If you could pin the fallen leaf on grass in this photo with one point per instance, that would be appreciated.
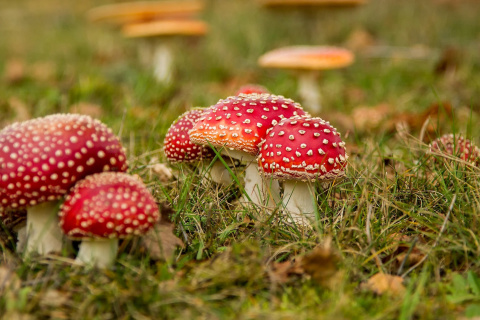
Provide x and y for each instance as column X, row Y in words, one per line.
column 14, row 71
column 162, row 172
column 382, row 283
column 321, row 264
column 53, row 298
column 160, row 241
column 8, row 279
column 366, row 119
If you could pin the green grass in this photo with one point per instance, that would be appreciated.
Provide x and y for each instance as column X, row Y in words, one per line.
column 225, row 270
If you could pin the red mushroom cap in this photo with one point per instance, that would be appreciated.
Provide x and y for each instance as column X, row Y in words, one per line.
column 252, row 88
column 177, row 145
column 458, row 146
column 240, row 122
column 302, row 148
column 108, row 205
column 41, row 159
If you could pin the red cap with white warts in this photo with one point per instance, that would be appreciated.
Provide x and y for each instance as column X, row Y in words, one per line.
column 240, row 122
column 458, row 146
column 108, row 205
column 252, row 88
column 304, row 149
column 41, row 159
column 177, row 145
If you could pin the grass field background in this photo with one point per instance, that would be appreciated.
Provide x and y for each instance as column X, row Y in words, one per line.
column 398, row 211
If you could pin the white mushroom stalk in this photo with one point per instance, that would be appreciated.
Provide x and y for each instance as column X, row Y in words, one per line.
column 308, row 90
column 299, row 201
column 100, row 253
column 43, row 235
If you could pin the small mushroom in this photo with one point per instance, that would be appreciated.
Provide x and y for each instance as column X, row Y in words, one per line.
column 159, row 35
column 308, row 61
column 103, row 208
column 41, row 159
column 179, row 148
column 300, row 151
column 456, row 146
column 237, row 124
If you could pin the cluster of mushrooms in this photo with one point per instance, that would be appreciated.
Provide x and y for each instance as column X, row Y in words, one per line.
column 65, row 174
column 78, row 159
column 276, row 140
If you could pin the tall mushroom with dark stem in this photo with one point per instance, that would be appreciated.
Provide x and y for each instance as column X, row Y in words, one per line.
column 237, row 124
column 179, row 148
column 41, row 159
column 103, row 208
column 300, row 151
column 307, row 61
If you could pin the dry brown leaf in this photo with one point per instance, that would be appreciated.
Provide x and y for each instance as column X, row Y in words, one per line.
column 382, row 283
column 281, row 272
column 8, row 279
column 53, row 298
column 359, row 39
column 321, row 264
column 160, row 242
column 366, row 119
column 162, row 172
column 90, row 109
column 14, row 71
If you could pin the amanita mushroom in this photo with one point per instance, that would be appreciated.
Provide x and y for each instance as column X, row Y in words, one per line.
column 308, row 61
column 159, row 34
column 141, row 11
column 237, row 124
column 179, row 148
column 456, row 146
column 41, row 159
column 300, row 151
column 103, row 208
column 310, row 3
column 252, row 88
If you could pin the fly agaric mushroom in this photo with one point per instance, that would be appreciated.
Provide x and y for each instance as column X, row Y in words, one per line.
column 301, row 150
column 103, row 208
column 179, row 148
column 310, row 3
column 41, row 159
column 456, row 146
column 308, row 61
column 238, row 124
column 159, row 34
column 252, row 88
column 142, row 11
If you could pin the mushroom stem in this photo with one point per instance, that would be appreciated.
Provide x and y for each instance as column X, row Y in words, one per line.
column 308, row 91
column 99, row 253
column 43, row 233
column 219, row 174
column 299, row 201
column 261, row 192
column 162, row 61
